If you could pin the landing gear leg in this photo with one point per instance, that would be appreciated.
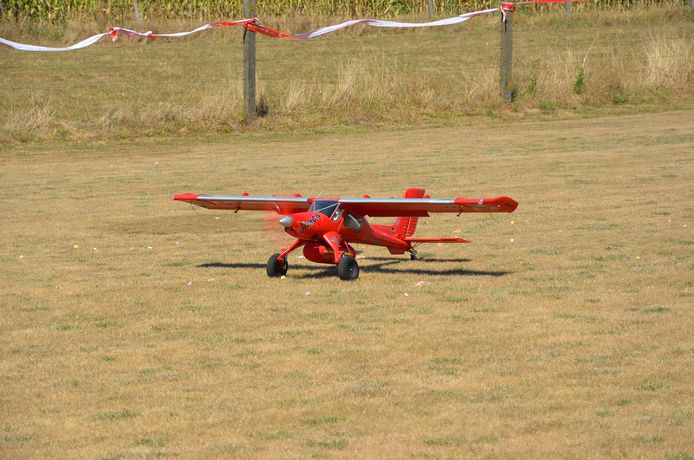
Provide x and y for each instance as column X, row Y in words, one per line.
column 277, row 263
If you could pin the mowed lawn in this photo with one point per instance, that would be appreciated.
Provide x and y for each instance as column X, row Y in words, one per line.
column 134, row 326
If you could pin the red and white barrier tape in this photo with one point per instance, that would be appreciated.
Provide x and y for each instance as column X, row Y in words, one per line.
column 118, row 30
column 254, row 26
column 378, row 23
column 115, row 31
column 83, row 44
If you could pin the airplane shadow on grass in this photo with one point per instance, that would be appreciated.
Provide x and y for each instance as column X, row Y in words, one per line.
column 381, row 265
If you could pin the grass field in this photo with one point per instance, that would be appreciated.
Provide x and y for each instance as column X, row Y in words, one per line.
column 133, row 326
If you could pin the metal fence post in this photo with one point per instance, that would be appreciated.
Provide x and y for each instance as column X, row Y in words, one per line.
column 567, row 8
column 506, row 54
column 430, row 6
column 249, row 62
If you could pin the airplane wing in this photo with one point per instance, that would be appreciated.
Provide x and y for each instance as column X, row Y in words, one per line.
column 421, row 207
column 278, row 204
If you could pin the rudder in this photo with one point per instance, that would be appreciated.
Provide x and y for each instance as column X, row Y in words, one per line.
column 406, row 226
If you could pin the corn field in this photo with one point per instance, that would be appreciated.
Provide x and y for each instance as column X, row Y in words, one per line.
column 61, row 10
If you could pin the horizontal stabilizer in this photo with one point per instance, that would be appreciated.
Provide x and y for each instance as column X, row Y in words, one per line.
column 436, row 240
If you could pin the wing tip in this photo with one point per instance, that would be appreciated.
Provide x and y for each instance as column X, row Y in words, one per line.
column 498, row 204
column 184, row 197
column 508, row 203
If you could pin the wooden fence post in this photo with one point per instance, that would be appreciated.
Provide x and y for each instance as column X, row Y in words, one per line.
column 136, row 11
column 249, row 62
column 506, row 55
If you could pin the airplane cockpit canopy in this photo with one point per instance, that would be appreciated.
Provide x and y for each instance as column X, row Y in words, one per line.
column 325, row 207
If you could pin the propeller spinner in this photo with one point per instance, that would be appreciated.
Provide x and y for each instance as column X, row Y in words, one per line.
column 287, row 221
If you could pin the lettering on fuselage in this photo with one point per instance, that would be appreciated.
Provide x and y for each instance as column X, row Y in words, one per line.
column 305, row 225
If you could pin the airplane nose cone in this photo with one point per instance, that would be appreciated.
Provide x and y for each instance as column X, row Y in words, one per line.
column 286, row 221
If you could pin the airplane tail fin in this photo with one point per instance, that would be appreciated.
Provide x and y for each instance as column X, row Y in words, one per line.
column 406, row 226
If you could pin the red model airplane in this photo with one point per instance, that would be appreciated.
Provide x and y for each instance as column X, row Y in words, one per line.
column 325, row 227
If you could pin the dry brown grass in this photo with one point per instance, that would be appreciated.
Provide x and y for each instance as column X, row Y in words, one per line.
column 669, row 62
column 362, row 76
column 36, row 114
column 133, row 326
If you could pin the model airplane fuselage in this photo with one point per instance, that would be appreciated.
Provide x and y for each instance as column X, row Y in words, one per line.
column 326, row 228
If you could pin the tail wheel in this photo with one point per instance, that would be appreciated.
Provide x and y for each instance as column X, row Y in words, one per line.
column 348, row 268
column 276, row 267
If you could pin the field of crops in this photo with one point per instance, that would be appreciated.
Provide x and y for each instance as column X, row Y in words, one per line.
column 60, row 10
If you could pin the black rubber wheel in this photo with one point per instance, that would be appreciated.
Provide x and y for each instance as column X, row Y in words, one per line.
column 348, row 269
column 413, row 256
column 276, row 268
